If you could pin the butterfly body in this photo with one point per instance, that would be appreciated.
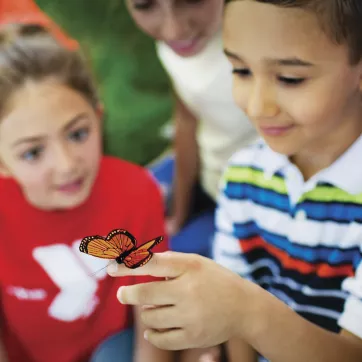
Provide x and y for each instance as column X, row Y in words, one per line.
column 119, row 245
column 120, row 259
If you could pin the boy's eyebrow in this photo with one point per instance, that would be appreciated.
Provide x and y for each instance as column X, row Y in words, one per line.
column 289, row 62
column 230, row 54
column 69, row 125
column 292, row 62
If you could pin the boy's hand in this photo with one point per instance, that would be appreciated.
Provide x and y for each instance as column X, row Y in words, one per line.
column 198, row 306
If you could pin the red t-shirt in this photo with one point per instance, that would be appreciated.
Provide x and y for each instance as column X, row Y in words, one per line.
column 53, row 308
column 26, row 11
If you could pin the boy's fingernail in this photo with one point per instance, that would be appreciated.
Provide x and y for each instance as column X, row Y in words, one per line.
column 119, row 294
column 145, row 335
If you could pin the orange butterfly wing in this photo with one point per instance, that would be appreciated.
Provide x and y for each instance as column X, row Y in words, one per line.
column 142, row 254
column 116, row 243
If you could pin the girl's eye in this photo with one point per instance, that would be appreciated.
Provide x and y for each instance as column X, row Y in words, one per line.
column 291, row 81
column 33, row 154
column 79, row 135
column 242, row 72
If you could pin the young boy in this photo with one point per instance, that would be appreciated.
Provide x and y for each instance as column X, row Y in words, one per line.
column 290, row 213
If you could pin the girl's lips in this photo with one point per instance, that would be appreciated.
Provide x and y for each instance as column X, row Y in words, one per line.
column 275, row 130
column 71, row 187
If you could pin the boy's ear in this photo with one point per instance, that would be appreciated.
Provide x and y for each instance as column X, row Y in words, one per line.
column 360, row 76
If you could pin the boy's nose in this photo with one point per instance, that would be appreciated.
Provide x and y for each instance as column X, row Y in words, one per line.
column 262, row 102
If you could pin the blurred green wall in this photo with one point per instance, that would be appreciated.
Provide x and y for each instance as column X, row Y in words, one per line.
column 134, row 88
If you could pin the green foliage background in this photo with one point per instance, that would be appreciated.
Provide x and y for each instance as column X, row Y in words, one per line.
column 134, row 88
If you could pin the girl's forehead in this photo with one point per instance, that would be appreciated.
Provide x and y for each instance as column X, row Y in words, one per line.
column 40, row 109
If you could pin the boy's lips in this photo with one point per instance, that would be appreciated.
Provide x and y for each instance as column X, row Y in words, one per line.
column 276, row 130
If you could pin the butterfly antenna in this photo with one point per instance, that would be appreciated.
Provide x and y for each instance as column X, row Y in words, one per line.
column 103, row 268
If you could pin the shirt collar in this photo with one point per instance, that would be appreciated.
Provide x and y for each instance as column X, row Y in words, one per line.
column 272, row 161
column 345, row 173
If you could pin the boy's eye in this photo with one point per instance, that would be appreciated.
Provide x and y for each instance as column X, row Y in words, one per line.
column 242, row 72
column 194, row 1
column 142, row 4
column 79, row 135
column 32, row 154
column 291, row 81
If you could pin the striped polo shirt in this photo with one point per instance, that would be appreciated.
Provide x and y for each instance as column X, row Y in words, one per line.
column 299, row 240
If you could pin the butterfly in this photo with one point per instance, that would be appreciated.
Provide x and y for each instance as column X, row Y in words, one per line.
column 119, row 245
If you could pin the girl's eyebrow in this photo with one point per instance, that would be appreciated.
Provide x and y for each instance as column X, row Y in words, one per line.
column 27, row 140
column 74, row 120
column 69, row 125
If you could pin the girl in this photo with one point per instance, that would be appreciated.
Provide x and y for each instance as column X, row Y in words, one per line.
column 55, row 189
column 209, row 126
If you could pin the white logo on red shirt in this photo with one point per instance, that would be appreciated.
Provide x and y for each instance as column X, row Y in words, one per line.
column 27, row 294
column 71, row 272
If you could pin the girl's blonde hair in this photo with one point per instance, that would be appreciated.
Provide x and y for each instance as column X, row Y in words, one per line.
column 28, row 52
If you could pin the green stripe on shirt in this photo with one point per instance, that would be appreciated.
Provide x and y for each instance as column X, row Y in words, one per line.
column 256, row 178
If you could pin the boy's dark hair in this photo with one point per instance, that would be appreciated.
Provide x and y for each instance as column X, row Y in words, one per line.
column 341, row 20
column 29, row 53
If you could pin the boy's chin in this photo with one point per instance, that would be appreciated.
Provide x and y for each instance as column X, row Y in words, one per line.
column 282, row 148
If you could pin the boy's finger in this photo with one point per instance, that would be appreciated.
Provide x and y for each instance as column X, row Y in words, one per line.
column 162, row 318
column 158, row 293
column 208, row 358
column 171, row 340
column 164, row 265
